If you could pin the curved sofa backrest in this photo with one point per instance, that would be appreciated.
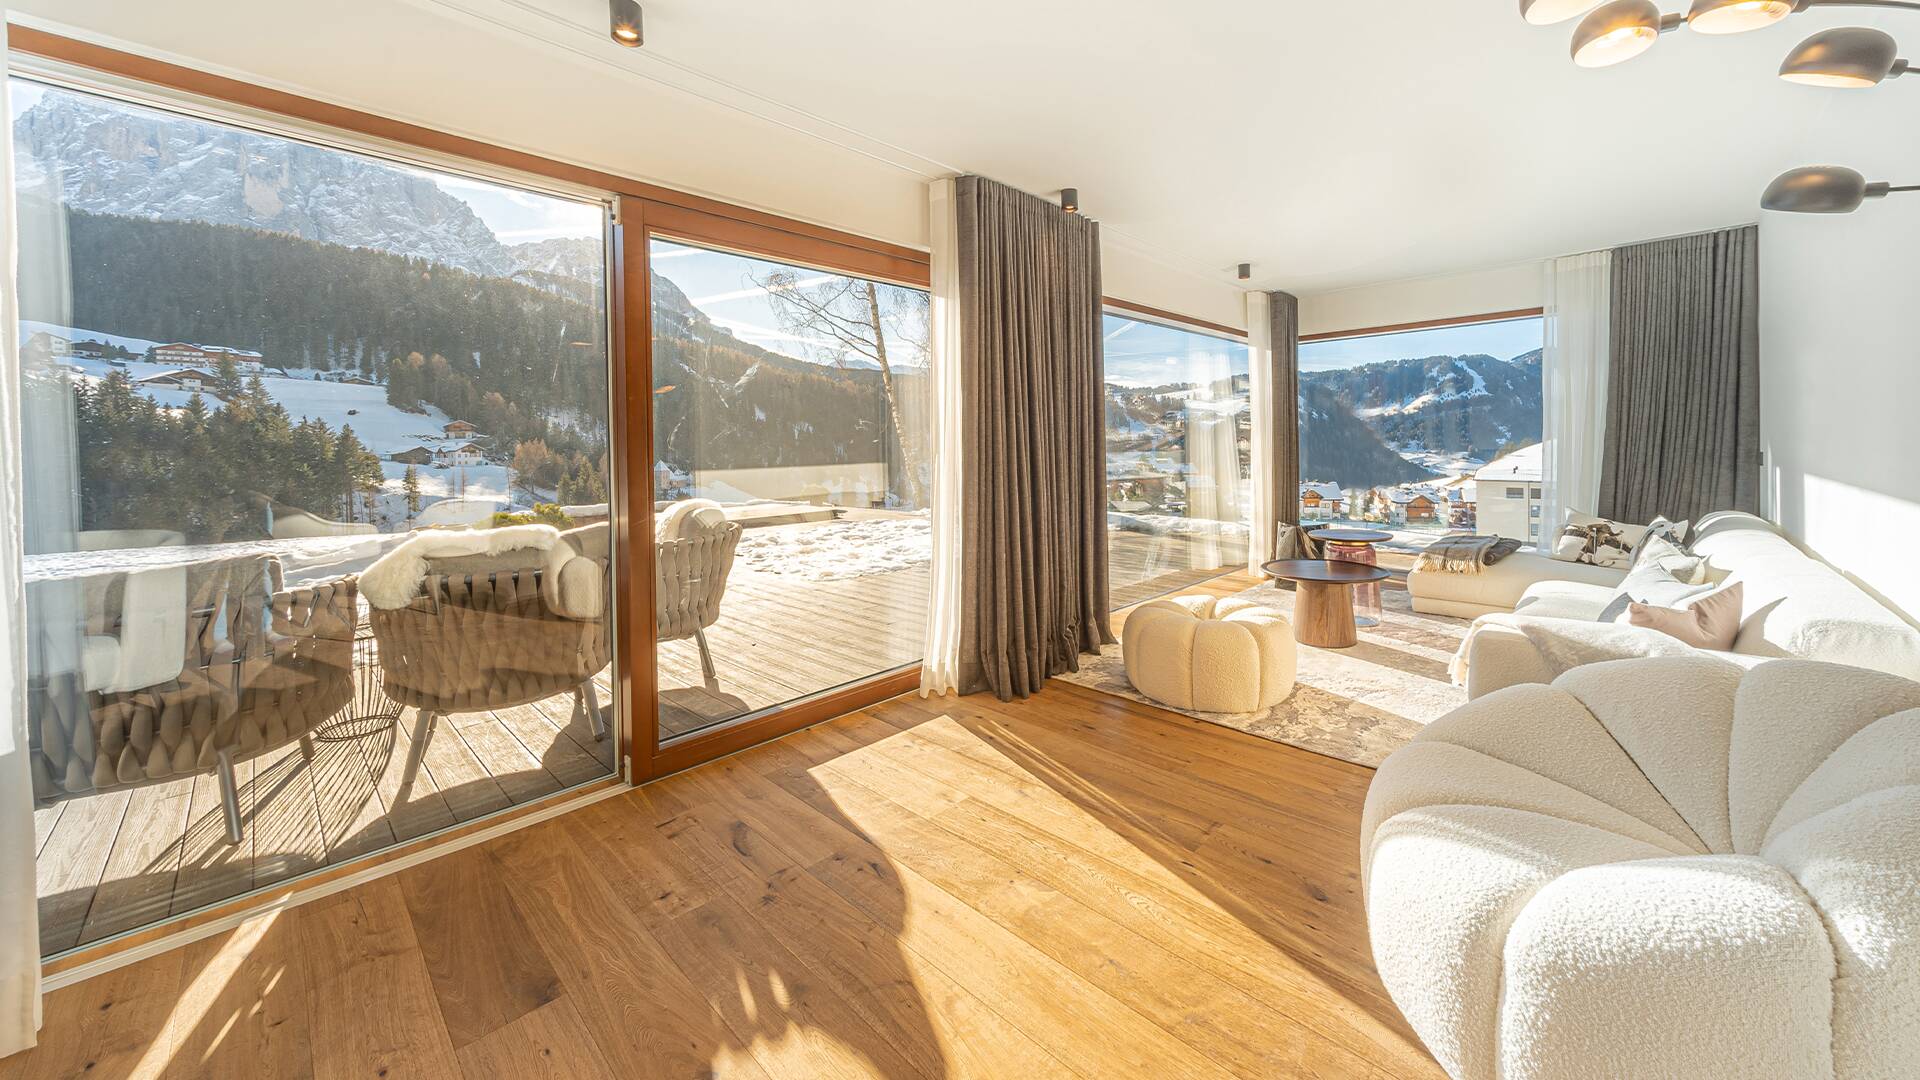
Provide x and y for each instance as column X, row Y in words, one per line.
column 1796, row 605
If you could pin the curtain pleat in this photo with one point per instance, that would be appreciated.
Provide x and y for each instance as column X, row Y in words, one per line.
column 1283, row 334
column 940, row 668
column 1683, row 389
column 19, row 911
column 1573, row 385
column 1034, row 547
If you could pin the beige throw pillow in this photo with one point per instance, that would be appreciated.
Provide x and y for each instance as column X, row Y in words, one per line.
column 1710, row 622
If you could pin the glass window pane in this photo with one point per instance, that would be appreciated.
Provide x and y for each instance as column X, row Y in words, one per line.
column 790, row 447
column 1424, row 432
column 253, row 367
column 1179, row 457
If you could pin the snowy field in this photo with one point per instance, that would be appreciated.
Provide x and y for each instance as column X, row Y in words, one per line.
column 836, row 550
column 381, row 427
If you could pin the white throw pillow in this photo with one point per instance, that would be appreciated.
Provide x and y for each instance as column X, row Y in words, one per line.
column 1632, row 534
column 1657, row 550
column 1652, row 584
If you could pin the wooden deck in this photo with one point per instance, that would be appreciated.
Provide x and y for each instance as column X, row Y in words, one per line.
column 1070, row 886
column 120, row 860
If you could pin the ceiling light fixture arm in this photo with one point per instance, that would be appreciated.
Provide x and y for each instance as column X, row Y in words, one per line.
column 1910, row 5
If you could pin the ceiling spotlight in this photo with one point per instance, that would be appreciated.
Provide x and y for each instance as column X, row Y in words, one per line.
column 1548, row 12
column 1738, row 16
column 1070, row 200
column 625, row 23
column 1852, row 57
column 1823, row 189
column 1244, row 271
column 1619, row 31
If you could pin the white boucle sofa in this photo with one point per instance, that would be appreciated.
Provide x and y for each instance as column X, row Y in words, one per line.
column 1668, row 867
column 1793, row 605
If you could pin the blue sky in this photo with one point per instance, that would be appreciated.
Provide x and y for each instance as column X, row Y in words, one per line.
column 1141, row 353
column 721, row 285
column 1501, row 340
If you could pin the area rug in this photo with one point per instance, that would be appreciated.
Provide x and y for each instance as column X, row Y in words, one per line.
column 1358, row 704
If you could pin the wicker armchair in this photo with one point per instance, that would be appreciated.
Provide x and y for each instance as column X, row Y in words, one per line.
column 694, row 544
column 489, row 632
column 261, row 666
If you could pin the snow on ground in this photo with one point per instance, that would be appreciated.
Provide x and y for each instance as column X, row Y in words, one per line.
column 137, row 346
column 836, row 550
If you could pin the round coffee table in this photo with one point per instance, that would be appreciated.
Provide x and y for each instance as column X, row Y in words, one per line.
column 1356, row 545
column 1323, row 608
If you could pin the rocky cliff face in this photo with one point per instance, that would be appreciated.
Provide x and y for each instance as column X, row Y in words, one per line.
column 125, row 160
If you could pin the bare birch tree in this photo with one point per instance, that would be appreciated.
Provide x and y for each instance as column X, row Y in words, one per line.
column 841, row 318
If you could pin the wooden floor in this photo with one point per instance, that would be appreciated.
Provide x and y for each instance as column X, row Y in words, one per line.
column 1070, row 886
column 116, row 861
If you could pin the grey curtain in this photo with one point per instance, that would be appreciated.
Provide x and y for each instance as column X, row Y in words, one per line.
column 1683, row 392
column 1034, row 566
column 1283, row 330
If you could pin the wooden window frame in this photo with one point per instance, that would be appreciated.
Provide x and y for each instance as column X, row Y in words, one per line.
column 639, row 207
column 642, row 221
column 1426, row 324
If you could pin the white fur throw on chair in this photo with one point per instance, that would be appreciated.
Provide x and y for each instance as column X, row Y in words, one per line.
column 394, row 579
column 1196, row 652
column 1657, row 867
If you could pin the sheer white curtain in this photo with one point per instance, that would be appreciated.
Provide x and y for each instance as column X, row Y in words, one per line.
column 940, row 670
column 19, row 914
column 1266, row 505
column 1573, row 384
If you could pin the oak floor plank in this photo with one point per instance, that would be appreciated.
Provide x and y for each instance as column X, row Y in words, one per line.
column 112, row 1025
column 486, row 968
column 549, row 1043
column 1185, row 1000
column 644, row 1013
column 242, row 1010
column 370, row 999
column 839, row 944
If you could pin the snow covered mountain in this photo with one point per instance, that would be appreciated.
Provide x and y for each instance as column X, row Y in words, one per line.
column 110, row 158
column 1451, row 405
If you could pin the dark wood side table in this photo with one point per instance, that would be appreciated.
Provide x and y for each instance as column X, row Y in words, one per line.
column 1323, row 606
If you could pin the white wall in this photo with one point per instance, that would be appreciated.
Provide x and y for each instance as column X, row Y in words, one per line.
column 579, row 100
column 1472, row 292
column 1839, row 384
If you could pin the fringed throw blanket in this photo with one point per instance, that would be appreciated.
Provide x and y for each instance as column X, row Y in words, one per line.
column 1465, row 554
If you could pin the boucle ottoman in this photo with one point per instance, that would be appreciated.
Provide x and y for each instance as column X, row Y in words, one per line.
column 1209, row 655
column 1657, row 867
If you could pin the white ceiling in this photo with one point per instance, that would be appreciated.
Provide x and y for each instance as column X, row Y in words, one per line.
column 1330, row 144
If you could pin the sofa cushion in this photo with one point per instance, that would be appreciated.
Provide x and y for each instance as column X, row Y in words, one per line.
column 1499, row 587
column 1563, row 600
column 1796, row 605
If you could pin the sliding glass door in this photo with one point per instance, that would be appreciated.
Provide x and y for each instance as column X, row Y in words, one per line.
column 790, row 482
column 1179, row 457
column 254, row 368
